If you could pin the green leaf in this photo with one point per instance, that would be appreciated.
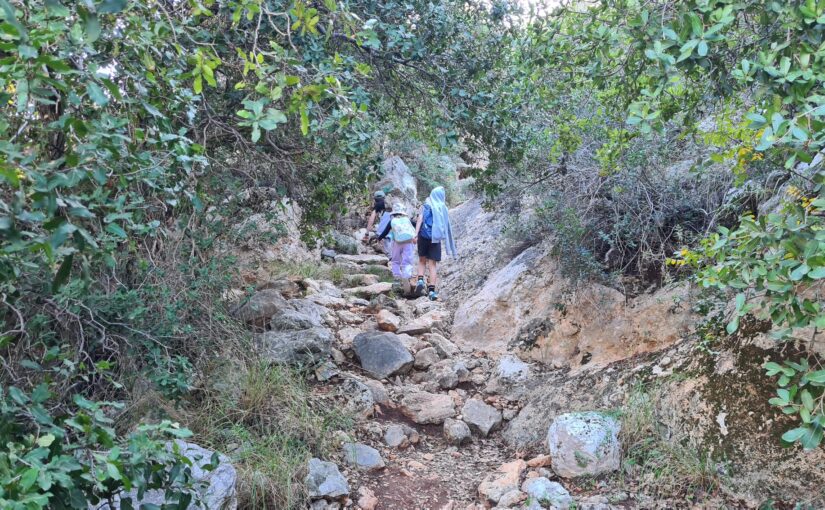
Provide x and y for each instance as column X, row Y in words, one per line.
column 817, row 273
column 91, row 25
column 816, row 377
column 702, row 49
column 807, row 400
column 732, row 326
column 96, row 93
column 111, row 6
column 800, row 271
column 794, row 435
column 62, row 273
column 197, row 85
column 812, row 437
column 28, row 478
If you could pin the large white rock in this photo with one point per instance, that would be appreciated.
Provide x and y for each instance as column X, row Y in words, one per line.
column 218, row 490
column 584, row 444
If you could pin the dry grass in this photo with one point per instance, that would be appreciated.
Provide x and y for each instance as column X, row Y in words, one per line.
column 657, row 461
column 270, row 424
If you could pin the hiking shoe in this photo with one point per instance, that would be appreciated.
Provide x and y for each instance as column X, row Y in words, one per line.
column 433, row 295
column 419, row 287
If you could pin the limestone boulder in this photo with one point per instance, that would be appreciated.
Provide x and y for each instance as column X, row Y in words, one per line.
column 362, row 457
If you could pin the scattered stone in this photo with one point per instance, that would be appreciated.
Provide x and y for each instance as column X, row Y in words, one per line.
column 423, row 407
column 324, row 480
column 298, row 314
column 584, row 444
column 444, row 347
column 423, row 324
column 456, row 432
column 260, row 307
column 347, row 335
column 321, row 504
column 511, row 499
column 326, row 371
column 360, row 280
column 370, row 291
column 382, row 354
column 348, row 317
column 388, row 321
column 359, row 397
column 366, row 259
column 540, row 461
column 379, row 392
column 395, row 437
column 425, row 358
column 512, row 370
column 303, row 347
column 367, row 499
column 362, row 456
column 343, row 243
column 547, row 492
column 505, row 479
column 448, row 373
column 481, row 417
column 327, row 254
column 287, row 287
column 325, row 300
column 509, row 414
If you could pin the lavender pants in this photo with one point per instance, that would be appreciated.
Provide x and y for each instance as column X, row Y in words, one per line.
column 402, row 260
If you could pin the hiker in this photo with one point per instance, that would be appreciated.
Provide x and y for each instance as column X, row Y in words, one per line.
column 379, row 208
column 431, row 231
column 402, row 233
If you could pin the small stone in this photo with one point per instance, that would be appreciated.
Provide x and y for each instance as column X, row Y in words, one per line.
column 348, row 317
column 509, row 414
column 481, row 417
column 456, row 431
column 423, row 407
column 324, row 480
column 395, row 436
column 505, row 479
column 328, row 254
column 425, row 358
column 540, row 461
column 367, row 499
column 369, row 291
column 362, row 456
column 511, row 499
column 326, row 371
column 547, row 492
column 444, row 347
column 388, row 321
column 414, row 464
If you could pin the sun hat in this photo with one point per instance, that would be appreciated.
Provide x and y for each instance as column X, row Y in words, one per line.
column 399, row 209
column 379, row 194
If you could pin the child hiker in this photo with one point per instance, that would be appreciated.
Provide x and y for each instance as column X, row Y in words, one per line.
column 379, row 209
column 402, row 232
column 432, row 230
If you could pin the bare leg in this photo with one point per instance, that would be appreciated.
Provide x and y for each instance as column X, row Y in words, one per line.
column 433, row 275
column 422, row 261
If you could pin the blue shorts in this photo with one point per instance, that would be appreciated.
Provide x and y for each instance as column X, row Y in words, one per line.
column 428, row 249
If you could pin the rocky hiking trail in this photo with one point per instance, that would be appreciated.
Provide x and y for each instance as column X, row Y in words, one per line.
column 428, row 411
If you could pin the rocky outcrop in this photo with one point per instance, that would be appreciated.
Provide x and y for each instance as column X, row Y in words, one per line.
column 547, row 493
column 528, row 305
